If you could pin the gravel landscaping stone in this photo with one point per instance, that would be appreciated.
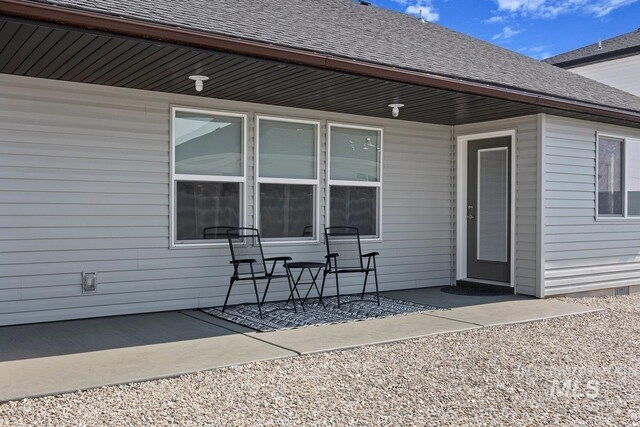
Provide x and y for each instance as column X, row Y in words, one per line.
column 579, row 370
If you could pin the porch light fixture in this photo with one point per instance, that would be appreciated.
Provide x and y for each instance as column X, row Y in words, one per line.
column 199, row 81
column 395, row 109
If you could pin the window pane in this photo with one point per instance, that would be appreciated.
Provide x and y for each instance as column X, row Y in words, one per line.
column 287, row 150
column 208, row 144
column 355, row 154
column 633, row 176
column 493, row 201
column 204, row 209
column 286, row 210
column 610, row 176
column 355, row 207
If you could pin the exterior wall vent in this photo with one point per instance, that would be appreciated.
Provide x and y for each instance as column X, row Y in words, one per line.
column 621, row 291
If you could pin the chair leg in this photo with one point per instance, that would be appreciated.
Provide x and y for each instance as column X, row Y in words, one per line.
column 224, row 307
column 255, row 289
column 338, row 289
column 291, row 288
column 375, row 275
column 324, row 278
column 364, row 287
column 265, row 291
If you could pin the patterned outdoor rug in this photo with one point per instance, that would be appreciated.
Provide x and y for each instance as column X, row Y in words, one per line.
column 277, row 316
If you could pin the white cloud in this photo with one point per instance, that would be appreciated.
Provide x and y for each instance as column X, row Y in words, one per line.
column 536, row 52
column 494, row 20
column 603, row 8
column 552, row 8
column 506, row 33
column 421, row 8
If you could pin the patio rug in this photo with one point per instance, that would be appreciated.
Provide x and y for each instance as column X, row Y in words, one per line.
column 277, row 316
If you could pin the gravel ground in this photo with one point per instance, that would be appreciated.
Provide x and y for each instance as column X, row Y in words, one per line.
column 581, row 370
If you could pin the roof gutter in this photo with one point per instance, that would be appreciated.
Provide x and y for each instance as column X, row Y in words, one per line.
column 199, row 39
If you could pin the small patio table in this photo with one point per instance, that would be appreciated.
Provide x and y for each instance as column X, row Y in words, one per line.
column 302, row 266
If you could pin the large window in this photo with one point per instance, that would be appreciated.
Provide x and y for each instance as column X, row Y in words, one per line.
column 287, row 178
column 208, row 175
column 355, row 178
column 618, row 177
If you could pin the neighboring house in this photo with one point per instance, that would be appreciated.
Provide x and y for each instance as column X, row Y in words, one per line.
column 499, row 169
column 615, row 61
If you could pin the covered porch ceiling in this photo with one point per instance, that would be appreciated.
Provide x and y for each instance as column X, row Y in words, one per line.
column 53, row 51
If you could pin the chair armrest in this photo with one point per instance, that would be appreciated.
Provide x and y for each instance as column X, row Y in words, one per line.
column 331, row 256
column 243, row 261
column 370, row 254
column 278, row 258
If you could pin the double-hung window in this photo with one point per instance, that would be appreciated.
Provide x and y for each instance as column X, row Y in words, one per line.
column 618, row 177
column 355, row 178
column 287, row 178
column 208, row 175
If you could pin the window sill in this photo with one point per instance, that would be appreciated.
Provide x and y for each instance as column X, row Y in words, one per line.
column 198, row 245
column 289, row 242
column 620, row 219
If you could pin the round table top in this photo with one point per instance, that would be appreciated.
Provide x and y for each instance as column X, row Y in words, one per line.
column 305, row 264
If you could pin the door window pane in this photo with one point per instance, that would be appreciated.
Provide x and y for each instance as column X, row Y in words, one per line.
column 287, row 149
column 355, row 154
column 208, row 144
column 633, row 176
column 610, row 196
column 205, row 209
column 286, row 210
column 493, row 205
column 355, row 207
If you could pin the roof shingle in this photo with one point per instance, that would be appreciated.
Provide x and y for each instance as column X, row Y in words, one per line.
column 614, row 47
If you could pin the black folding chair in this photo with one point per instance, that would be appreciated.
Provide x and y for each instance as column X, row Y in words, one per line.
column 249, row 263
column 344, row 255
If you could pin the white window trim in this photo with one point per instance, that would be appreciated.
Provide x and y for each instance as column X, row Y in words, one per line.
column 346, row 183
column 625, row 217
column 296, row 181
column 174, row 177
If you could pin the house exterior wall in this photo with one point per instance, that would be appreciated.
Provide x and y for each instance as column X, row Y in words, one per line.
column 84, row 186
column 526, row 274
column 621, row 73
column 580, row 252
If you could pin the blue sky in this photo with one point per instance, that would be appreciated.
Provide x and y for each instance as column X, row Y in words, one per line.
column 537, row 28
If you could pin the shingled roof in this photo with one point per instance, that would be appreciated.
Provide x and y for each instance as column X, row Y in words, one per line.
column 368, row 34
column 617, row 47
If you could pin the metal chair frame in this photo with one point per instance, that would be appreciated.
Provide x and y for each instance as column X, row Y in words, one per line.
column 238, row 236
column 332, row 266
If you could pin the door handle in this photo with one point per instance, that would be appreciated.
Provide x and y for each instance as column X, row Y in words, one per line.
column 470, row 216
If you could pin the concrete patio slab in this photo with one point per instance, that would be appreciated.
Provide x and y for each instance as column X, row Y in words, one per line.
column 86, row 335
column 53, row 358
column 443, row 298
column 356, row 334
column 516, row 311
column 72, row 372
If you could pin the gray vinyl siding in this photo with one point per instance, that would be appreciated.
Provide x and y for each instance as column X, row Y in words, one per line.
column 582, row 253
column 84, row 186
column 526, row 190
column 621, row 73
